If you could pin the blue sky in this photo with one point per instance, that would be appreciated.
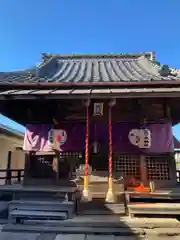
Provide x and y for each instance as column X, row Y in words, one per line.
column 64, row 26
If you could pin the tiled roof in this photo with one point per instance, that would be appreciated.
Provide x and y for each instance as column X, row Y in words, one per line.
column 105, row 68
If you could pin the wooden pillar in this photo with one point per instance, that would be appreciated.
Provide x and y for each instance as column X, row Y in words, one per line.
column 9, row 173
column 110, row 197
column 143, row 170
column 26, row 168
column 143, row 165
column 168, row 111
column 86, row 192
column 171, row 160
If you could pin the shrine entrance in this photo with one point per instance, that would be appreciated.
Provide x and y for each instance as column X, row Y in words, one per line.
column 99, row 157
column 99, row 161
column 98, row 146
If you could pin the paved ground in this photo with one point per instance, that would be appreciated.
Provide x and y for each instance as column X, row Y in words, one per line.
column 20, row 236
column 150, row 235
column 169, row 230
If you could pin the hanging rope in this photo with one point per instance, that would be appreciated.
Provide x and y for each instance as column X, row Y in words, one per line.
column 110, row 142
column 87, row 142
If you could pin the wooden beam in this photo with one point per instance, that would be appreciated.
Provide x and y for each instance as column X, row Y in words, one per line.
column 21, row 92
column 8, row 92
column 81, row 91
column 92, row 93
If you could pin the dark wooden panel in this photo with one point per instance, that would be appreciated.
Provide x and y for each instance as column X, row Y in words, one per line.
column 41, row 167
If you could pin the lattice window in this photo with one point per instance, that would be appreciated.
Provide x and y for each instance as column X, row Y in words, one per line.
column 72, row 155
column 128, row 165
column 158, row 167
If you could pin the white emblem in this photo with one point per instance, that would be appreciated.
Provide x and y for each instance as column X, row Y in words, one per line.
column 140, row 138
column 57, row 138
column 98, row 109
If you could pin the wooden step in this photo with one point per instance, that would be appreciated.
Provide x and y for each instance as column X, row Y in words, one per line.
column 25, row 214
column 44, row 203
column 154, row 208
column 66, row 206
column 39, row 195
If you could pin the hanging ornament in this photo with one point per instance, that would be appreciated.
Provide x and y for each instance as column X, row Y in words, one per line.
column 98, row 109
column 95, row 147
column 95, row 144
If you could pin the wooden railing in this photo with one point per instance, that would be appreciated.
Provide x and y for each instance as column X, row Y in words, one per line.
column 9, row 176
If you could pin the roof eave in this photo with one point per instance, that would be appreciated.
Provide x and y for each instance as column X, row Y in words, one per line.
column 10, row 132
column 88, row 84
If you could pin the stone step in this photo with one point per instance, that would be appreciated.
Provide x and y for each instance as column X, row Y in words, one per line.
column 154, row 209
column 108, row 222
column 27, row 214
column 101, row 212
column 66, row 206
column 102, row 196
column 103, row 187
column 98, row 208
column 3, row 206
column 73, row 230
column 99, row 190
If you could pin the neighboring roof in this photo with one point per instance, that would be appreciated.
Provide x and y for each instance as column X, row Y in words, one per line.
column 6, row 130
column 88, row 68
column 10, row 127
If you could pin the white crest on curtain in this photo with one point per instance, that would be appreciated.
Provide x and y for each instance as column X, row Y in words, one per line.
column 140, row 138
column 95, row 147
column 57, row 138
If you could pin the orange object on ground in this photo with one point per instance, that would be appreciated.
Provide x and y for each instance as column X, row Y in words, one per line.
column 142, row 188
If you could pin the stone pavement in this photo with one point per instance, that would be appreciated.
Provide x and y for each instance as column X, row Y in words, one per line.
column 152, row 229
column 31, row 236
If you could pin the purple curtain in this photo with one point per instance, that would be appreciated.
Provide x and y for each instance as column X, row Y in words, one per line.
column 127, row 137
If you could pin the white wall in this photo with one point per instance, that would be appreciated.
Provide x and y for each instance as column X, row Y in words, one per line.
column 18, row 157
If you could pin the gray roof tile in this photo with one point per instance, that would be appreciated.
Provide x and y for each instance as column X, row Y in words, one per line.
column 91, row 68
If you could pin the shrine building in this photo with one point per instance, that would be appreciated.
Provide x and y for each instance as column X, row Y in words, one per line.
column 95, row 120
